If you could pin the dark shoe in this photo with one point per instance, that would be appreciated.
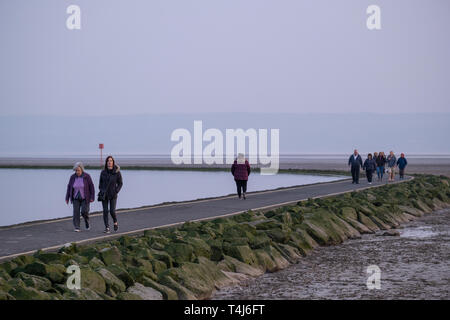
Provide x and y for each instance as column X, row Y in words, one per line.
column 116, row 226
column 106, row 230
column 244, row 196
column 87, row 225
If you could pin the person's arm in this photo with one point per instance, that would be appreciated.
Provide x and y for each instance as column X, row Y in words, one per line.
column 248, row 168
column 232, row 169
column 406, row 162
column 350, row 160
column 91, row 189
column 360, row 161
column 119, row 182
column 100, row 184
column 68, row 190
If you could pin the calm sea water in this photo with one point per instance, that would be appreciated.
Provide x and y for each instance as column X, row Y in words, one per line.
column 38, row 194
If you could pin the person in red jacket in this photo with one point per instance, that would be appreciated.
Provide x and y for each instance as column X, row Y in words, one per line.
column 241, row 170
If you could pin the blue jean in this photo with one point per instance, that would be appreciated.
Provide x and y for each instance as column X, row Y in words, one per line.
column 380, row 172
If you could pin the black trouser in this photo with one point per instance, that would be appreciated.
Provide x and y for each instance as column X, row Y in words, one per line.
column 369, row 174
column 112, row 210
column 402, row 173
column 355, row 173
column 83, row 206
column 241, row 184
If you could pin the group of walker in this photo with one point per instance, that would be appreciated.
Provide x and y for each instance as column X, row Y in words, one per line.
column 81, row 192
column 378, row 163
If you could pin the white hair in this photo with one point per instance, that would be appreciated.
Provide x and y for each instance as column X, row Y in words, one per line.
column 78, row 165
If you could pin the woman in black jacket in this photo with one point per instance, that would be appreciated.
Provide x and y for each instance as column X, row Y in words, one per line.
column 110, row 185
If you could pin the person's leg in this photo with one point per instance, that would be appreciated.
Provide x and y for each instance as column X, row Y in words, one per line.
column 112, row 209
column 244, row 187
column 105, row 213
column 381, row 173
column 393, row 174
column 238, row 187
column 357, row 174
column 85, row 212
column 370, row 176
column 76, row 214
column 353, row 174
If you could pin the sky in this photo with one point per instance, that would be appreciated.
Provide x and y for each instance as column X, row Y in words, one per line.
column 193, row 56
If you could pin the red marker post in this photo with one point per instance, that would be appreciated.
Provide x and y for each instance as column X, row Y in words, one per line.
column 101, row 146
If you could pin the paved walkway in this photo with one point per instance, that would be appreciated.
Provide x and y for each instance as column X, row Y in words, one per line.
column 52, row 235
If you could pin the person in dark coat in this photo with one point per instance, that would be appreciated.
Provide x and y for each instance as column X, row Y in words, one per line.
column 370, row 166
column 381, row 162
column 240, row 170
column 110, row 185
column 402, row 163
column 355, row 161
column 80, row 192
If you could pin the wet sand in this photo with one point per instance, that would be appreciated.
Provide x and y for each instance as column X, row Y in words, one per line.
column 413, row 266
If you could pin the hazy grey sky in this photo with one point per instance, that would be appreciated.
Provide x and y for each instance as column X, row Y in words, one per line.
column 157, row 56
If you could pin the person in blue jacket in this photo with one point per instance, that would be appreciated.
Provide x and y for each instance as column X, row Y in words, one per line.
column 402, row 163
column 355, row 162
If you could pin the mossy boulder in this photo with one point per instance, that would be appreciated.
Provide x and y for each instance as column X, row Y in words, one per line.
column 113, row 284
column 82, row 294
column 111, row 256
column 29, row 293
column 92, row 280
column 242, row 253
column 182, row 292
column 162, row 256
column 167, row 293
column 36, row 282
column 96, row 263
column 122, row 274
column 145, row 293
column 52, row 272
column 233, row 265
column 180, row 252
column 49, row 257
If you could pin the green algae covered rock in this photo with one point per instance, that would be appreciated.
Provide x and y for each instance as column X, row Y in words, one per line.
column 36, row 282
column 92, row 280
column 113, row 284
column 182, row 292
column 145, row 293
column 167, row 293
column 52, row 272
column 111, row 256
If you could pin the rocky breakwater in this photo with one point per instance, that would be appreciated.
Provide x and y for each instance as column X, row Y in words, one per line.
column 193, row 260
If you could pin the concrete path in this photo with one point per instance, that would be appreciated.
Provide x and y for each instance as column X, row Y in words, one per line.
column 52, row 235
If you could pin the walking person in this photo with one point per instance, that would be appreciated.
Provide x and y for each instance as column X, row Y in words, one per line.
column 355, row 162
column 392, row 163
column 370, row 166
column 402, row 163
column 240, row 170
column 80, row 192
column 110, row 185
column 381, row 162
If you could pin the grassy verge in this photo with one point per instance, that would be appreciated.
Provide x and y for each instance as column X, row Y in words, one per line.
column 192, row 260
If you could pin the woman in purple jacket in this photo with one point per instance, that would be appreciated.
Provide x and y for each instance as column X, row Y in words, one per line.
column 240, row 170
column 80, row 192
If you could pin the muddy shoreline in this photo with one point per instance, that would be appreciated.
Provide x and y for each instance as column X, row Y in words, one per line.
column 413, row 266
